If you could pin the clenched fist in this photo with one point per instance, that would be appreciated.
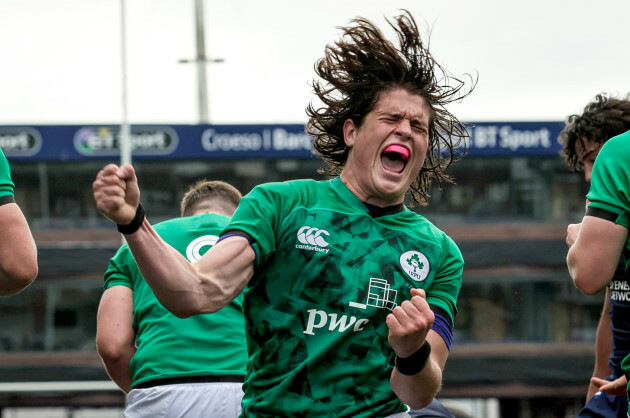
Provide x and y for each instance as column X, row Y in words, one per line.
column 116, row 193
column 409, row 324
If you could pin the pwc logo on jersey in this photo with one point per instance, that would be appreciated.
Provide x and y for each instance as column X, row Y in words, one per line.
column 321, row 319
column 312, row 239
column 193, row 251
column 415, row 264
column 379, row 295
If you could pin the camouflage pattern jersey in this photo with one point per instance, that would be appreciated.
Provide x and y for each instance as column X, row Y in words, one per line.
column 328, row 273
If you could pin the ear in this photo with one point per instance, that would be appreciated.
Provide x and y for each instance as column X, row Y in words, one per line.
column 349, row 132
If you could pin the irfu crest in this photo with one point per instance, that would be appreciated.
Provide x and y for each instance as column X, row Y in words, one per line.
column 414, row 261
column 415, row 264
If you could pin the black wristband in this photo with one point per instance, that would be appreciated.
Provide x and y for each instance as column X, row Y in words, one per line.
column 135, row 224
column 416, row 362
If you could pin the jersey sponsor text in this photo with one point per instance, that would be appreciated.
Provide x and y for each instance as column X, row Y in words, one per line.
column 318, row 319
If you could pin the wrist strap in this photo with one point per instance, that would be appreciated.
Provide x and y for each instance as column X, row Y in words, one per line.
column 416, row 362
column 135, row 224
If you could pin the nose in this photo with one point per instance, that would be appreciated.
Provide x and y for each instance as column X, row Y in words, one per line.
column 403, row 129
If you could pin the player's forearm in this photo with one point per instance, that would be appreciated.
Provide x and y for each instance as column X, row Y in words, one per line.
column 593, row 258
column 18, row 253
column 13, row 280
column 585, row 275
column 188, row 289
column 171, row 277
column 420, row 389
column 603, row 347
column 119, row 371
column 116, row 356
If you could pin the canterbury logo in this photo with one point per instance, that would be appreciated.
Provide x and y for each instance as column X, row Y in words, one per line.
column 312, row 239
column 313, row 236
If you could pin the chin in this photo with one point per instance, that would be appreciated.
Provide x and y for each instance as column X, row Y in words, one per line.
column 392, row 194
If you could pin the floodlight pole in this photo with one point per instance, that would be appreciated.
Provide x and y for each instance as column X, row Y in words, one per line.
column 201, row 60
column 202, row 84
column 125, row 131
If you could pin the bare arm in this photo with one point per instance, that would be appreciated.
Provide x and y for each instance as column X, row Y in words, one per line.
column 409, row 326
column 603, row 347
column 419, row 390
column 18, row 253
column 593, row 257
column 183, row 288
column 115, row 336
column 188, row 289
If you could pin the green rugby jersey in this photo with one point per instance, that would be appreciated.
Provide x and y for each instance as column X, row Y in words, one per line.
column 6, row 184
column 328, row 273
column 212, row 344
column 610, row 192
column 610, row 183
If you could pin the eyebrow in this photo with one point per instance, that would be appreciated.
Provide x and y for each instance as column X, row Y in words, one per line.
column 401, row 114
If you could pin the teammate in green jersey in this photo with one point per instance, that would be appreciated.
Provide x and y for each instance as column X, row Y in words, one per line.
column 350, row 296
column 581, row 139
column 18, row 253
column 598, row 242
column 169, row 366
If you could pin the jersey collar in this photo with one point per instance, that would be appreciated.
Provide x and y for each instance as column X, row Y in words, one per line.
column 358, row 204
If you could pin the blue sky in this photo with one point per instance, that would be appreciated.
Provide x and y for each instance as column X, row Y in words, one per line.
column 61, row 60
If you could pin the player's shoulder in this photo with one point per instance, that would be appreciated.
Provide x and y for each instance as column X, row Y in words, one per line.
column 290, row 190
column 205, row 220
column 416, row 218
column 615, row 146
column 297, row 184
column 421, row 225
column 169, row 223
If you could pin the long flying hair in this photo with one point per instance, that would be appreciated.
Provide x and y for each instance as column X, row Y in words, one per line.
column 358, row 68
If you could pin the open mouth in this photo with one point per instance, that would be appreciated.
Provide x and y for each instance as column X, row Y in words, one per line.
column 394, row 158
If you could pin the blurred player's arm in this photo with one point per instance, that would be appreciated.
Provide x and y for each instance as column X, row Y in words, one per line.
column 18, row 253
column 603, row 347
column 183, row 288
column 594, row 254
column 115, row 336
column 409, row 328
